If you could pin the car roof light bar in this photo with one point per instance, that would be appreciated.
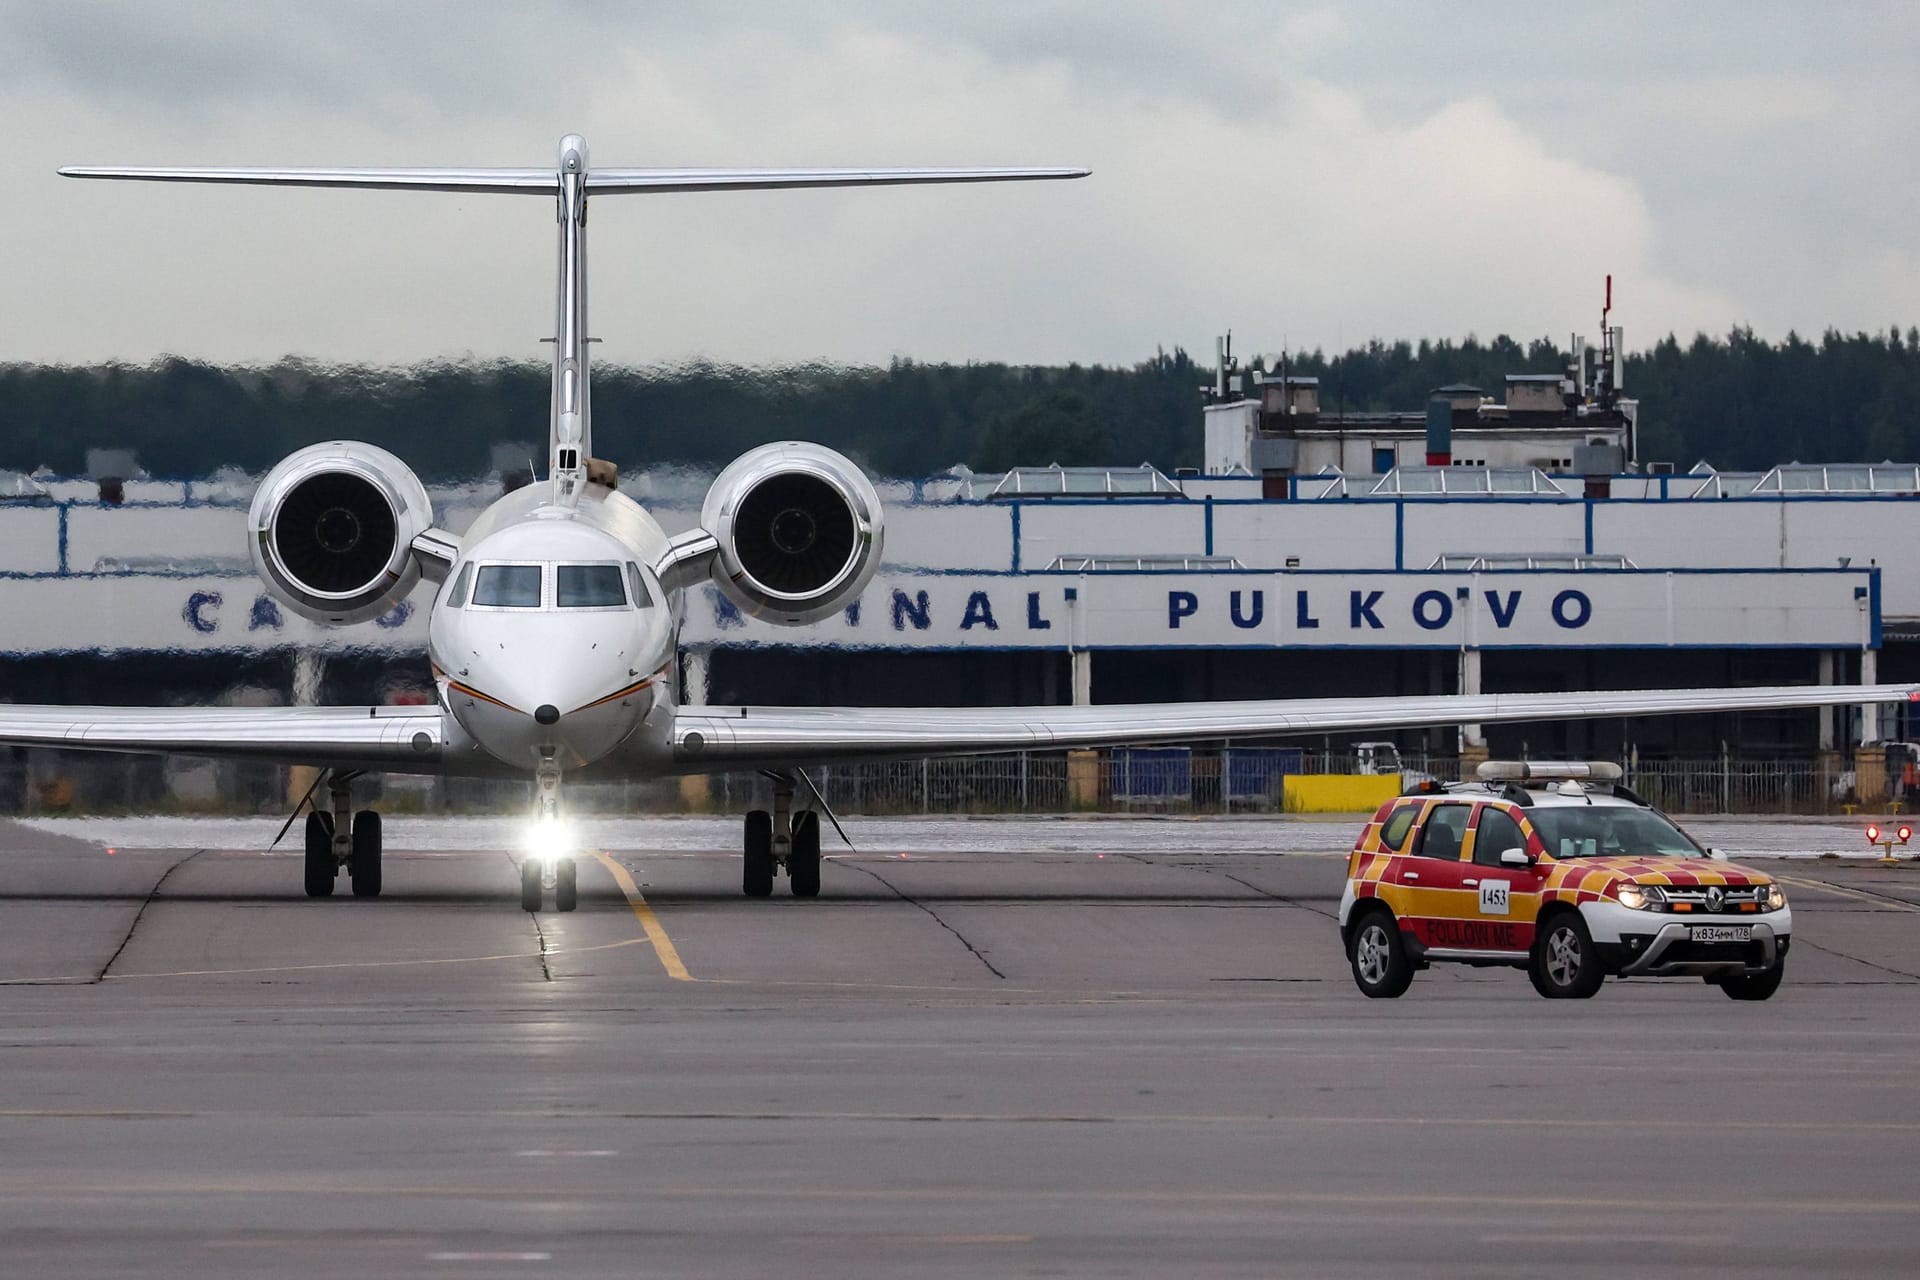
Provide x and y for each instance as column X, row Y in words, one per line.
column 1549, row 771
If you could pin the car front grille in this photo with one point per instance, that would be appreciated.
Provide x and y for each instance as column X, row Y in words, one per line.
column 1700, row 897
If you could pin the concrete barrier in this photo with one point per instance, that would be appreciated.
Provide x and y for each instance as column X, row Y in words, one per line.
column 1339, row 792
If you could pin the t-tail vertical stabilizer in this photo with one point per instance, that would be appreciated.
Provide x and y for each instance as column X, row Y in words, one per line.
column 569, row 183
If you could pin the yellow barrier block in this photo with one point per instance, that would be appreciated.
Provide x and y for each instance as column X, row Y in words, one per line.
column 696, row 792
column 1339, row 792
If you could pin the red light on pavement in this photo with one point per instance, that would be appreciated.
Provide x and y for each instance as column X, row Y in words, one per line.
column 1905, row 833
column 1873, row 835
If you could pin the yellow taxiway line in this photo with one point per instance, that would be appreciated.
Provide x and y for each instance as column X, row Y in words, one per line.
column 643, row 912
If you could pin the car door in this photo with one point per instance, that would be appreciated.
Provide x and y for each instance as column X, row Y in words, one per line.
column 1436, row 904
column 1506, row 899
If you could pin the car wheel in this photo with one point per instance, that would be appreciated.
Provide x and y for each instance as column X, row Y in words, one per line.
column 1752, row 986
column 1380, row 966
column 1564, row 964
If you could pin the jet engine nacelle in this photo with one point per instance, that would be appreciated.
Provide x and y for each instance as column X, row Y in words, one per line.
column 332, row 527
column 799, row 530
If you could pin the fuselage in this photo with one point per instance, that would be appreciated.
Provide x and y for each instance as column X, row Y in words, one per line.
column 551, row 637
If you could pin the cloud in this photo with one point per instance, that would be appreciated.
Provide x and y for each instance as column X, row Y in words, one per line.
column 1313, row 175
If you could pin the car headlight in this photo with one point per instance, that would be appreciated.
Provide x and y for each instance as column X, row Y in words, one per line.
column 1641, row 897
column 1776, row 898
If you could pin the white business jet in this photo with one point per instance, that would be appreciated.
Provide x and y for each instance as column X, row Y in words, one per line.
column 553, row 637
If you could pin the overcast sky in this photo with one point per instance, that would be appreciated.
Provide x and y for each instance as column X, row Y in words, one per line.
column 1305, row 174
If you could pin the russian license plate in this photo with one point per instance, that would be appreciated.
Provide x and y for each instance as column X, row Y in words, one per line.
column 1721, row 933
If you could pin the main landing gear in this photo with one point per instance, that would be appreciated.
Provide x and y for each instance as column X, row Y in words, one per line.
column 781, row 839
column 339, row 839
column 548, row 865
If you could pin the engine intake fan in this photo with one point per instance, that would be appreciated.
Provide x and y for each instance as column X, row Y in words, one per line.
column 799, row 530
column 331, row 531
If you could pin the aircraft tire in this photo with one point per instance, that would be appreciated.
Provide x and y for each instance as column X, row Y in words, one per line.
column 803, row 863
column 566, row 885
column 320, row 864
column 363, row 864
column 531, row 891
column 756, row 868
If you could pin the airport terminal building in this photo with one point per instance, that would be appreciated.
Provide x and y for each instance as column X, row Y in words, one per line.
column 1486, row 545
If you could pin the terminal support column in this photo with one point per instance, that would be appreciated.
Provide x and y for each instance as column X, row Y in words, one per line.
column 1826, row 672
column 1077, row 647
column 694, row 690
column 1869, row 713
column 1824, row 675
column 309, row 671
column 1473, row 739
column 696, row 791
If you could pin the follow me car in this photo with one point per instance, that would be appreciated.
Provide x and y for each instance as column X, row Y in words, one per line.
column 1560, row 870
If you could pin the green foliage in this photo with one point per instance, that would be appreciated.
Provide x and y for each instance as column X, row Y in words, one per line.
column 1737, row 401
column 1055, row 426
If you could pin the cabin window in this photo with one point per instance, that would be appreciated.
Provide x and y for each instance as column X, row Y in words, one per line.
column 457, row 593
column 589, row 586
column 508, row 586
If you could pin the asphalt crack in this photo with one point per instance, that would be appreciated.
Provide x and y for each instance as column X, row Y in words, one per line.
column 539, row 934
column 1281, row 898
column 912, row 901
column 1800, row 941
column 134, row 926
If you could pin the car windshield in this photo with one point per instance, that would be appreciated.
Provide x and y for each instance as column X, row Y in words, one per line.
column 1609, row 831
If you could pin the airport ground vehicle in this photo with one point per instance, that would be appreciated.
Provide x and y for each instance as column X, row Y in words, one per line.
column 1560, row 870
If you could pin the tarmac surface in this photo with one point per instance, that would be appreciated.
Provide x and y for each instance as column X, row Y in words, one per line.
column 1070, row 1048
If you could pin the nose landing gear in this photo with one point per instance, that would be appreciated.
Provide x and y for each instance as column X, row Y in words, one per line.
column 549, row 866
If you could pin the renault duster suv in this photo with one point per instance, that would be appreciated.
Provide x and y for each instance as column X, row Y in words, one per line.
column 1558, row 870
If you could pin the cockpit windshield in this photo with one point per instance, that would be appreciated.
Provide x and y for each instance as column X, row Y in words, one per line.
column 507, row 586
column 581, row 585
column 1609, row 831
column 589, row 586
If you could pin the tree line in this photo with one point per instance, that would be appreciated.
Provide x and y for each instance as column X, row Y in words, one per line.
column 1738, row 401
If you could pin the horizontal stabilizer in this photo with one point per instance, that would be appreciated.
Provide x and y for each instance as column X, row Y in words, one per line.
column 547, row 182
column 523, row 181
column 612, row 180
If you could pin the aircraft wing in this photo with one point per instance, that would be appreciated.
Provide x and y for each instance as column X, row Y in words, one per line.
column 401, row 739
column 713, row 739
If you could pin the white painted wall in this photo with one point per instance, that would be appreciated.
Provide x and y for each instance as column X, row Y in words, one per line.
column 29, row 539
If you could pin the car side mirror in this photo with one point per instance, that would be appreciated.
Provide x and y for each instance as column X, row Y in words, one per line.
column 1717, row 855
column 1515, row 858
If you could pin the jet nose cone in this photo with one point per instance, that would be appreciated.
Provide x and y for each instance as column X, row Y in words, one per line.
column 546, row 713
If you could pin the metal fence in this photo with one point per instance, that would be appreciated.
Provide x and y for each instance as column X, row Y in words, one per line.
column 1120, row 782
column 1231, row 780
column 1737, row 786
